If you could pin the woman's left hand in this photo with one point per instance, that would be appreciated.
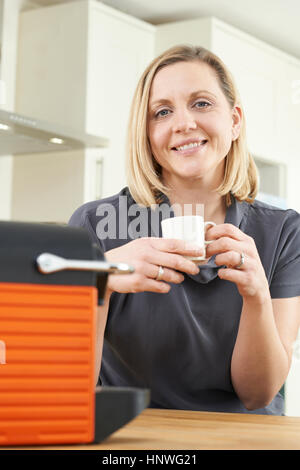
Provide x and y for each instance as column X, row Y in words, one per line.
column 229, row 245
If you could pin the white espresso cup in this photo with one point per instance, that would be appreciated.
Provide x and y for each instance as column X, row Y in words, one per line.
column 190, row 228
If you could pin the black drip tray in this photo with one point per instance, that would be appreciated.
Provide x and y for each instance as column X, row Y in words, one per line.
column 116, row 406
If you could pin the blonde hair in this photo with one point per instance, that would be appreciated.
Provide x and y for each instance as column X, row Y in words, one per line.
column 143, row 171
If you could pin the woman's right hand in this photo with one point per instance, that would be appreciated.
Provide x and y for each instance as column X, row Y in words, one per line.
column 146, row 255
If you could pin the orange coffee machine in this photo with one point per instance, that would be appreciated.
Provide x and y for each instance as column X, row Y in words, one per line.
column 51, row 278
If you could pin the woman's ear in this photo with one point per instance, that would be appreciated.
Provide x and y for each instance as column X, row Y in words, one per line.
column 237, row 116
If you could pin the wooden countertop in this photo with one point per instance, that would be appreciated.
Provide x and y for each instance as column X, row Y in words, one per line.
column 191, row 430
column 173, row 429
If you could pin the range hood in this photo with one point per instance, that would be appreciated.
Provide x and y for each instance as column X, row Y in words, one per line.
column 22, row 135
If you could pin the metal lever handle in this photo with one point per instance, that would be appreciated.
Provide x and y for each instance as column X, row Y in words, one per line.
column 48, row 263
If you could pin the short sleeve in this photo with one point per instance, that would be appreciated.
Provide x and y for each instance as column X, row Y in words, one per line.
column 81, row 218
column 286, row 278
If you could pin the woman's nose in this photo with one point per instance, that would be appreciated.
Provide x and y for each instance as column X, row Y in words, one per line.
column 183, row 121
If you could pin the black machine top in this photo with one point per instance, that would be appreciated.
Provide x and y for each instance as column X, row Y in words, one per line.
column 21, row 243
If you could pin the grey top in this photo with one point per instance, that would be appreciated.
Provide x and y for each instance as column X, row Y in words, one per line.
column 179, row 344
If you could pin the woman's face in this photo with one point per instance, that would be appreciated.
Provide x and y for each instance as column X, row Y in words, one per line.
column 190, row 123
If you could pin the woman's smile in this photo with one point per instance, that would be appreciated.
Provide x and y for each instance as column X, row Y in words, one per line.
column 190, row 147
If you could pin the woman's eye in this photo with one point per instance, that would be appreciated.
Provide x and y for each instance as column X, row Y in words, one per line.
column 162, row 113
column 202, row 104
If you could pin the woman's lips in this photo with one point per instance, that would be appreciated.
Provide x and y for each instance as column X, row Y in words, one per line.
column 190, row 149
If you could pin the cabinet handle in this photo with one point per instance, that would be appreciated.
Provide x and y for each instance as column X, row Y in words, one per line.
column 48, row 263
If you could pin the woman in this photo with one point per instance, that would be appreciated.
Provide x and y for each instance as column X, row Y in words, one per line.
column 220, row 338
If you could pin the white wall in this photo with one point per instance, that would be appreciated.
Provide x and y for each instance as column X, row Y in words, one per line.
column 9, row 19
column 120, row 47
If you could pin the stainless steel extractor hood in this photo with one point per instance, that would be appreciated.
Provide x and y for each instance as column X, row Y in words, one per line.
column 22, row 135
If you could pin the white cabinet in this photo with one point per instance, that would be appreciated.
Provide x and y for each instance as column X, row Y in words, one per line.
column 119, row 49
column 197, row 31
column 78, row 65
column 269, row 84
column 9, row 11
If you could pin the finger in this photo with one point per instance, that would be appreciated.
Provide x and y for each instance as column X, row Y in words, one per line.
column 134, row 283
column 225, row 230
column 242, row 279
column 151, row 285
column 233, row 275
column 169, row 275
column 151, row 270
column 225, row 244
column 173, row 261
column 174, row 245
column 230, row 259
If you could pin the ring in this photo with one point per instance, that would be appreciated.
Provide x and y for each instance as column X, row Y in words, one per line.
column 241, row 262
column 160, row 274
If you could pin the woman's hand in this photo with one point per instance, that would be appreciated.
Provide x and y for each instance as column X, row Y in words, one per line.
column 146, row 255
column 228, row 245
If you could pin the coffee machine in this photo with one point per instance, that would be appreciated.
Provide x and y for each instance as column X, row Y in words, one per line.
column 52, row 278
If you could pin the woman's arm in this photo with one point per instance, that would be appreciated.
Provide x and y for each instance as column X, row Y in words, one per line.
column 263, row 350
column 262, row 354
